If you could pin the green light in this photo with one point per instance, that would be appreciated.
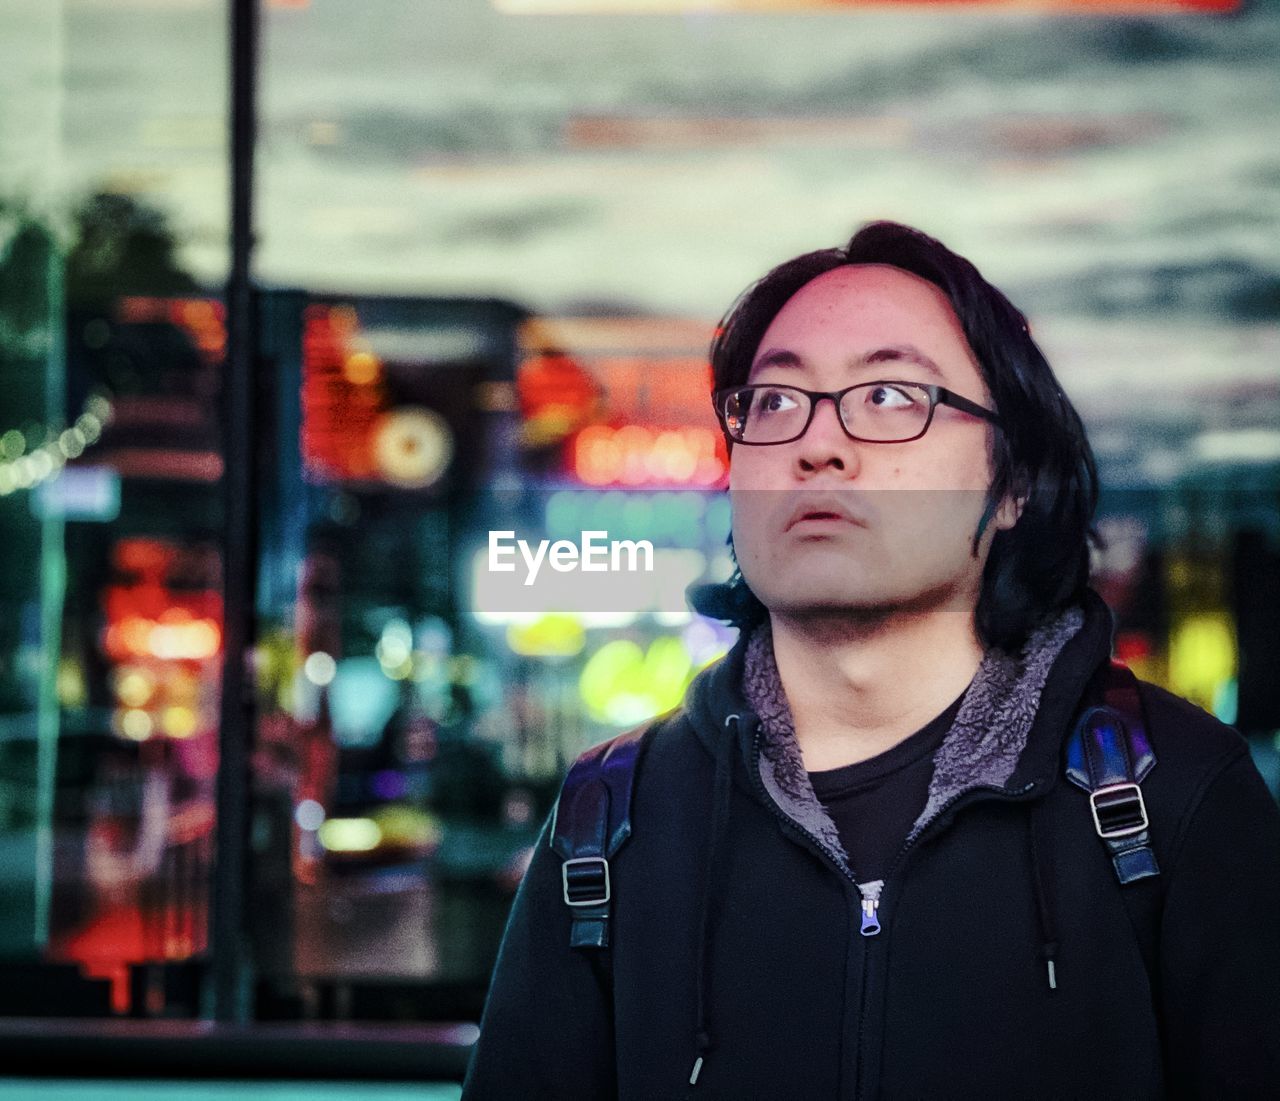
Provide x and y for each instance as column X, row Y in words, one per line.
column 622, row 684
column 12, row 444
column 1202, row 656
column 349, row 835
column 548, row 636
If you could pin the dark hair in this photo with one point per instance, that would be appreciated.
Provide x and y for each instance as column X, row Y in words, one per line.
column 1037, row 567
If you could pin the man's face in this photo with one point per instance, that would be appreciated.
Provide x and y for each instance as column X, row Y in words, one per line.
column 828, row 524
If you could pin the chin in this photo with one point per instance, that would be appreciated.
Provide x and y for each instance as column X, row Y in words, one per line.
column 865, row 602
column 808, row 600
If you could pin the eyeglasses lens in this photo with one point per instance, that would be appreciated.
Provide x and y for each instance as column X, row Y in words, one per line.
column 880, row 412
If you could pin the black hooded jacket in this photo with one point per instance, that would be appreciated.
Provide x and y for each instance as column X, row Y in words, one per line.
column 737, row 944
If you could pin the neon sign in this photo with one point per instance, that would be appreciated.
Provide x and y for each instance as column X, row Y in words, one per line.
column 636, row 456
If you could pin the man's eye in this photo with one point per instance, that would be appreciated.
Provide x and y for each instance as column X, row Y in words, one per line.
column 890, row 397
column 775, row 401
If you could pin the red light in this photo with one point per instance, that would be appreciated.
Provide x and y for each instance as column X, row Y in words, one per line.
column 149, row 617
column 556, row 396
column 202, row 319
column 339, row 408
column 633, row 455
column 1133, row 646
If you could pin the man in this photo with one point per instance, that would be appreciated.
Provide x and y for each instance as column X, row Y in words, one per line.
column 857, row 867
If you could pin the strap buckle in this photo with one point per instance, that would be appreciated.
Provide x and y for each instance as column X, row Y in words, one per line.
column 1118, row 810
column 588, row 883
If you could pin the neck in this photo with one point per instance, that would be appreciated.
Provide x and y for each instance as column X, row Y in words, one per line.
column 858, row 688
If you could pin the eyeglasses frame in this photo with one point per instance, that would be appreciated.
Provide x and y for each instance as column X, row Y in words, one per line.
column 938, row 395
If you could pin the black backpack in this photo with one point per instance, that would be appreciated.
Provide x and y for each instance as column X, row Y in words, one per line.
column 1108, row 756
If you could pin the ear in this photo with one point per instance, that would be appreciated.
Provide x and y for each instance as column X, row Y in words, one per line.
column 1009, row 511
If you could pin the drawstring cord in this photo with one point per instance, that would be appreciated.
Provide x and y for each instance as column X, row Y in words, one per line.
column 720, row 801
column 1044, row 900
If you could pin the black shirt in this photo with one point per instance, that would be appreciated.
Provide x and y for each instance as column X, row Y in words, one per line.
column 874, row 803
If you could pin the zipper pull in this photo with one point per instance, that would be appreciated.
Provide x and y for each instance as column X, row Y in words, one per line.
column 870, row 893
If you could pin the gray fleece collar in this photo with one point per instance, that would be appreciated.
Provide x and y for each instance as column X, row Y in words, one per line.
column 980, row 750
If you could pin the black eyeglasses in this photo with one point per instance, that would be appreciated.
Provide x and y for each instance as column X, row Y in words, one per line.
column 885, row 411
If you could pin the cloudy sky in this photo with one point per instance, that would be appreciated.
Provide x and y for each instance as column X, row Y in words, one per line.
column 1120, row 177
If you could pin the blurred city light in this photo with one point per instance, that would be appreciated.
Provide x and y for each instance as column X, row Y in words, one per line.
column 319, row 668
column 622, row 683
column 309, row 815
column 548, row 636
column 485, row 302
column 349, row 835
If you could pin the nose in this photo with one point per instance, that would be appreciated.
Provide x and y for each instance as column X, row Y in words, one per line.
column 826, row 445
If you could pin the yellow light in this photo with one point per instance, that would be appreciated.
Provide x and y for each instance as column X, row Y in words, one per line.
column 361, row 368
column 134, row 687
column 548, row 636
column 349, row 835
column 666, row 668
column 178, row 722
column 604, row 671
column 405, row 825
column 192, row 640
column 182, row 688
column 402, row 671
column 71, row 688
column 135, row 724
column 1202, row 656
column 622, row 684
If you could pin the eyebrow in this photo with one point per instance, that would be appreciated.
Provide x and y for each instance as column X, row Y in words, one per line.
column 894, row 353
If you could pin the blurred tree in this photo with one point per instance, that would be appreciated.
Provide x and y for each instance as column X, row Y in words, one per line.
column 122, row 246
column 26, row 252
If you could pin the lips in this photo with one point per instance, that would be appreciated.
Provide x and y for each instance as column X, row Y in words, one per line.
column 823, row 508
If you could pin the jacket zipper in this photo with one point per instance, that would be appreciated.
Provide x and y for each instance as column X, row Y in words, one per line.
column 871, row 892
column 892, row 876
column 870, row 906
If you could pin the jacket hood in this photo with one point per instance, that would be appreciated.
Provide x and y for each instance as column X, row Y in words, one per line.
column 1007, row 733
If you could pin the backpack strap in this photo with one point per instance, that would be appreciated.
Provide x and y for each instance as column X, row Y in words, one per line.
column 1108, row 756
column 592, row 820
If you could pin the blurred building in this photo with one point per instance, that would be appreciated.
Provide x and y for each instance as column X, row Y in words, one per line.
column 492, row 254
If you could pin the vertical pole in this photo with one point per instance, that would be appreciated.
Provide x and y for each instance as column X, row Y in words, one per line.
column 53, row 542
column 231, row 956
column 53, row 593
